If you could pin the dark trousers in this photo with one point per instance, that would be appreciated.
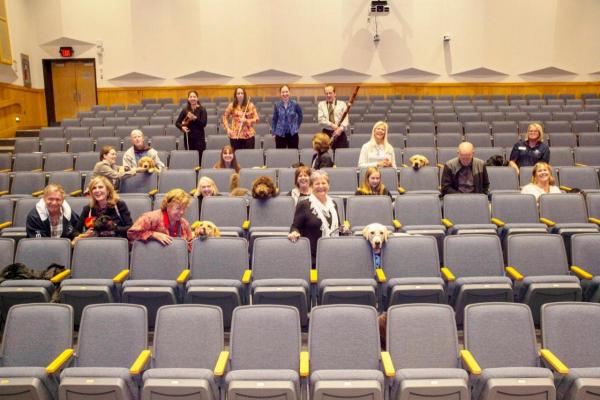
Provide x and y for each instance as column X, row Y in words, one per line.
column 286, row 142
column 238, row 144
column 195, row 142
column 341, row 142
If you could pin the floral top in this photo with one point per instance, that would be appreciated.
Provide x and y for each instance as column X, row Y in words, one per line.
column 154, row 221
column 231, row 120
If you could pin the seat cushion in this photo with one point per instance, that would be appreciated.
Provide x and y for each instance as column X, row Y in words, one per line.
column 149, row 282
column 521, row 287
column 46, row 284
column 282, row 375
column 183, row 373
column 427, row 373
column 100, row 372
column 479, row 382
column 280, row 282
column 49, row 382
column 214, row 282
column 347, row 375
column 87, row 282
column 564, row 383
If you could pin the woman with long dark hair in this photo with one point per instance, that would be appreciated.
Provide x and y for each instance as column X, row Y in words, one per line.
column 239, row 119
column 191, row 121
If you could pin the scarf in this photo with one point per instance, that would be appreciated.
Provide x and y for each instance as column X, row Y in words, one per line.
column 322, row 210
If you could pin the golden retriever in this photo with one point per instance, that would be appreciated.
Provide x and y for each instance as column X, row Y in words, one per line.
column 376, row 234
column 418, row 161
column 204, row 229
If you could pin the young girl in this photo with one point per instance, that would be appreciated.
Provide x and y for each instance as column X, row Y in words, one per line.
column 372, row 185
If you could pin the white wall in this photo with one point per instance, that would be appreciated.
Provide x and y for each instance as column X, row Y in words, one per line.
column 167, row 39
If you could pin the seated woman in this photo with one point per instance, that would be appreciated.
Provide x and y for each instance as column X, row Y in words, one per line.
column 542, row 181
column 377, row 152
column 302, row 183
column 104, row 202
column 107, row 167
column 165, row 223
column 206, row 188
column 322, row 158
column 372, row 184
column 227, row 159
column 318, row 215
column 531, row 149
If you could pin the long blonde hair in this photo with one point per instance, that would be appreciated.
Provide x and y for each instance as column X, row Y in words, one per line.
column 111, row 194
column 365, row 188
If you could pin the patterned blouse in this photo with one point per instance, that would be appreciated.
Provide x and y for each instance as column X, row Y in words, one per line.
column 234, row 115
column 153, row 221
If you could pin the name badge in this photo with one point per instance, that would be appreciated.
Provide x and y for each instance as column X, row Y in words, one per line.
column 522, row 148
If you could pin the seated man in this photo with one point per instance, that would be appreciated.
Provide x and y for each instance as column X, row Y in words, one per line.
column 52, row 216
column 465, row 174
column 138, row 150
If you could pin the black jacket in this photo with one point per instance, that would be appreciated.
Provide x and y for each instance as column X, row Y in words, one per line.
column 450, row 176
column 322, row 160
column 122, row 219
column 196, row 126
column 38, row 223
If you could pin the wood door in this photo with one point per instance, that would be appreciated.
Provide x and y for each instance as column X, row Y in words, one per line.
column 85, row 75
column 64, row 88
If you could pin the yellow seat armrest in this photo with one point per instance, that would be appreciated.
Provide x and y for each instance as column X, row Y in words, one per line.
column 304, row 364
column 594, row 220
column 121, row 276
column 581, row 273
column 38, row 193
column 140, row 362
column 192, row 192
column 565, row 188
column 152, row 192
column 380, row 274
column 4, row 192
column 447, row 274
column 314, row 276
column 246, row 225
column 197, row 168
column 184, row 276
column 470, row 362
column 554, row 362
column 388, row 365
column 547, row 221
column 404, row 165
column 59, row 361
column 498, row 222
column 447, row 223
column 5, row 224
column 440, row 165
column 397, row 224
column 221, row 364
column 60, row 277
column 513, row 273
column 76, row 192
column 401, row 190
column 37, row 170
column 5, row 170
column 246, row 276
column 580, row 165
column 68, row 170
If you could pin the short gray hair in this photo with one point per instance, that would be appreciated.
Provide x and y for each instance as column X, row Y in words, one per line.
column 316, row 174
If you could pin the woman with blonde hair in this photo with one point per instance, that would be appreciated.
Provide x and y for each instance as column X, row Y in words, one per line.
column 531, row 149
column 372, row 185
column 377, row 152
column 165, row 223
column 542, row 181
column 104, row 203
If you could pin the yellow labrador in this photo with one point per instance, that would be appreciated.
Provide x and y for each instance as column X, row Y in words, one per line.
column 376, row 234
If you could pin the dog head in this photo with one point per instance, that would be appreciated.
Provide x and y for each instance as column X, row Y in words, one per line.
column 204, row 229
column 376, row 234
column 263, row 187
column 418, row 161
column 496, row 161
column 147, row 163
column 104, row 226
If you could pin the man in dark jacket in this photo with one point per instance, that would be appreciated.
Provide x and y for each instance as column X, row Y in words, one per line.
column 52, row 216
column 465, row 174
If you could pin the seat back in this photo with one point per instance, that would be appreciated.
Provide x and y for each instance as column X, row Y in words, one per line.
column 39, row 253
column 224, row 211
column 344, row 258
column 425, row 179
column 585, row 178
column 500, row 335
column 152, row 260
column 279, row 258
column 22, row 209
column 342, row 180
column 184, row 159
column 248, row 175
column 467, row 208
column 111, row 335
column 585, row 252
column 137, row 205
column 334, row 328
column 249, row 158
column 274, row 212
column 139, row 183
column 515, row 208
column 70, row 181
column 219, row 258
column 364, row 210
column 265, row 337
column 28, row 161
column 418, row 209
column 27, row 182
column 7, row 251
column 35, row 334
column 537, row 254
column 188, row 336
column 564, row 207
column 281, row 158
column 473, row 255
column 101, row 258
column 411, row 325
column 176, row 178
column 503, row 178
column 410, row 256
column 561, row 322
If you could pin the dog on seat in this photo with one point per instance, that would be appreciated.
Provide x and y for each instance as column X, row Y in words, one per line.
column 418, row 161
column 205, row 229
column 376, row 234
column 264, row 188
column 234, row 189
column 148, row 164
column 496, row 161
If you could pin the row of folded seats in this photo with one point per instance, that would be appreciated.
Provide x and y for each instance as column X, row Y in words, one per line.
column 218, row 271
column 265, row 359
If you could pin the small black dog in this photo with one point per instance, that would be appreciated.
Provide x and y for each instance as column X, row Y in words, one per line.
column 496, row 161
column 104, row 226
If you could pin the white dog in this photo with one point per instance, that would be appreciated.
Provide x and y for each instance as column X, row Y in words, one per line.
column 376, row 234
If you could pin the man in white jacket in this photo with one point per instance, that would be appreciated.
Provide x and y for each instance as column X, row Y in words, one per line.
column 138, row 150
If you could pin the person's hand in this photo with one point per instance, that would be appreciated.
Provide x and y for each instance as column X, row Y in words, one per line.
column 293, row 236
column 185, row 129
column 514, row 166
column 338, row 131
column 162, row 238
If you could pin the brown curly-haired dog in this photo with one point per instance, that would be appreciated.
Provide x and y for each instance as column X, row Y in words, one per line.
column 263, row 187
column 148, row 164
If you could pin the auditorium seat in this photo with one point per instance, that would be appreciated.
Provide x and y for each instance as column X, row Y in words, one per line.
column 467, row 213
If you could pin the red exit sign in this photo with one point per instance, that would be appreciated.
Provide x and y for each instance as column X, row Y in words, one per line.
column 66, row 51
